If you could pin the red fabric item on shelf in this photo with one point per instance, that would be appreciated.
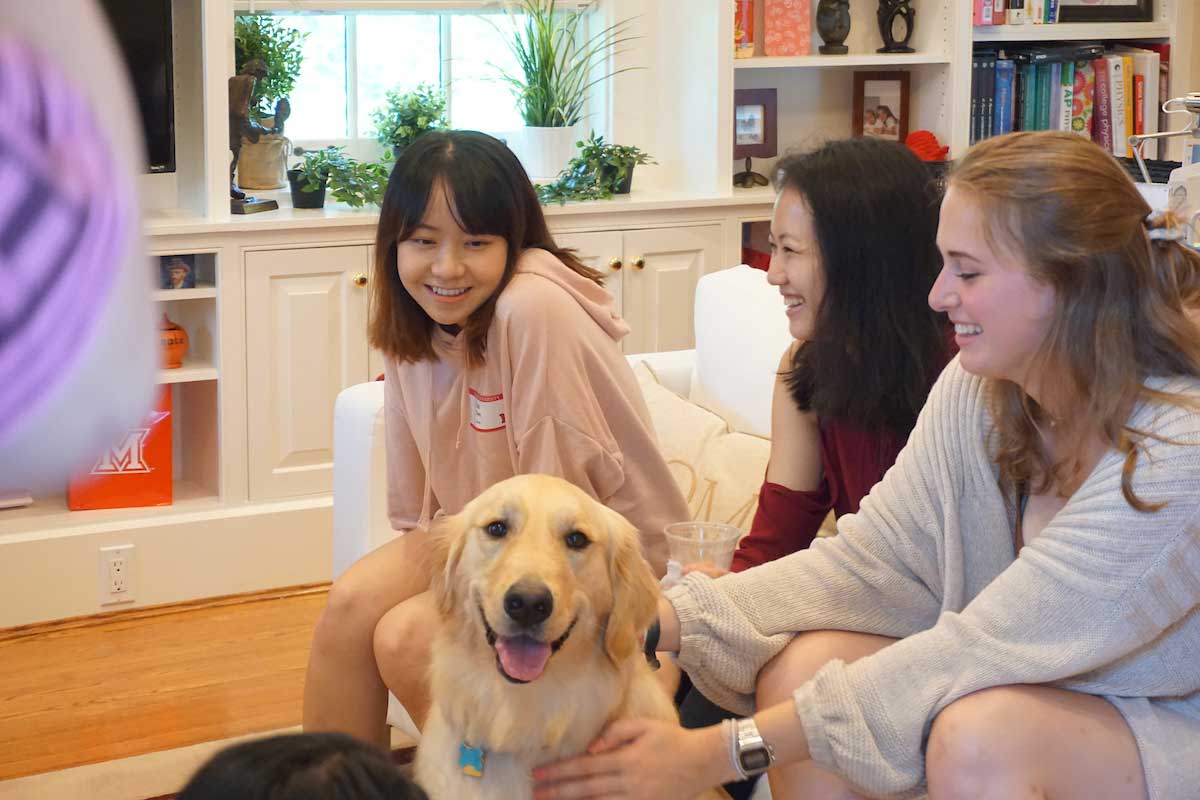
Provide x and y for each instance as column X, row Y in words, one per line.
column 756, row 258
column 136, row 471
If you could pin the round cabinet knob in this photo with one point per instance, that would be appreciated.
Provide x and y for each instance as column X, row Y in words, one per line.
column 639, row 263
column 360, row 279
column 615, row 264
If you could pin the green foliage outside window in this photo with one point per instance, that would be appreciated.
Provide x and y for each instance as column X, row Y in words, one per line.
column 406, row 115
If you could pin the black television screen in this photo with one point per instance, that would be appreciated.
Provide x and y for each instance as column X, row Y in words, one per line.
column 143, row 30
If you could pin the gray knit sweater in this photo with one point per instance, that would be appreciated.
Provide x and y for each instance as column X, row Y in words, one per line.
column 1104, row 600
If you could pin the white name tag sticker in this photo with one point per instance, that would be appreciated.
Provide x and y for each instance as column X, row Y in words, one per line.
column 487, row 411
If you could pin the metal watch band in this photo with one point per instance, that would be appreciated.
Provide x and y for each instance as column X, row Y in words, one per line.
column 751, row 754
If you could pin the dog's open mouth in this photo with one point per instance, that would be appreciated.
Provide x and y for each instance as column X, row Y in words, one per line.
column 522, row 658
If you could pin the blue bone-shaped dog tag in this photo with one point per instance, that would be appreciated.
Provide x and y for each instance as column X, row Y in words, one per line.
column 471, row 760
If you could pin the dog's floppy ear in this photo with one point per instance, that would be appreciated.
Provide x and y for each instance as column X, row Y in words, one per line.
column 635, row 591
column 446, row 547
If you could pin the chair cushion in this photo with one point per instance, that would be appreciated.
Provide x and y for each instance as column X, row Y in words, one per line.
column 741, row 331
column 718, row 470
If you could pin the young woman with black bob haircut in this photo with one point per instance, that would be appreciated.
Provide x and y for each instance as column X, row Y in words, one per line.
column 854, row 253
column 503, row 358
column 1015, row 609
column 301, row 766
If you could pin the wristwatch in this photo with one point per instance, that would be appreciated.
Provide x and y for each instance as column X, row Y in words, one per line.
column 751, row 755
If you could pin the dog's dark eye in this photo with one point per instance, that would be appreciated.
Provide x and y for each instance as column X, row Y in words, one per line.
column 577, row 540
column 497, row 529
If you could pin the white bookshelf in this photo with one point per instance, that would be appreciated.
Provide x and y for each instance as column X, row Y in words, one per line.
column 1073, row 32
column 878, row 60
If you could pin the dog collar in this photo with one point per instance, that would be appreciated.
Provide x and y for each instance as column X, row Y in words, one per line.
column 471, row 760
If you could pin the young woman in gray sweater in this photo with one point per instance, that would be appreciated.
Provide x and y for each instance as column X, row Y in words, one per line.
column 1015, row 609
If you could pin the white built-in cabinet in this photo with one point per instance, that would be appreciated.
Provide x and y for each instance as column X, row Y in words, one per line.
column 306, row 320
column 652, row 276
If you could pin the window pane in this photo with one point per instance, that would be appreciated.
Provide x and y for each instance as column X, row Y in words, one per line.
column 319, row 99
column 479, row 99
column 395, row 51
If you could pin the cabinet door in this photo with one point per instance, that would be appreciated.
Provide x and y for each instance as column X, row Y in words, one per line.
column 305, row 342
column 660, row 294
column 602, row 252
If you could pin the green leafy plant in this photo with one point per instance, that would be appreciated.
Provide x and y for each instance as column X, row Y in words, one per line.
column 350, row 181
column 596, row 173
column 279, row 46
column 406, row 115
column 555, row 60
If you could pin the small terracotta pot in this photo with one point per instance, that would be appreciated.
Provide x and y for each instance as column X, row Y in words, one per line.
column 174, row 342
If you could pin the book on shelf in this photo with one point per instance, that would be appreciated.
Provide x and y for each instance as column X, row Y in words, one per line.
column 1106, row 94
column 1015, row 12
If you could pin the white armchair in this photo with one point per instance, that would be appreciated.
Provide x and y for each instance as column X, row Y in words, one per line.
column 741, row 331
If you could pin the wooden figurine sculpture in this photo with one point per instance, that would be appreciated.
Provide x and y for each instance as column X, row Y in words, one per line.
column 243, row 124
column 889, row 12
column 833, row 23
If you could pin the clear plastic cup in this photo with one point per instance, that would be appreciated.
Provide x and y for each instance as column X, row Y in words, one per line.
column 702, row 543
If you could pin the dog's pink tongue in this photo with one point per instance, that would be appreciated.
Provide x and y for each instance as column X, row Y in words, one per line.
column 523, row 658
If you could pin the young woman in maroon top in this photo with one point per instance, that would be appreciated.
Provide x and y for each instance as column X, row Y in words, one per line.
column 854, row 254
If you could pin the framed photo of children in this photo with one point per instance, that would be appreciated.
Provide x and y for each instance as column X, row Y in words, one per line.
column 881, row 105
column 1105, row 10
column 177, row 272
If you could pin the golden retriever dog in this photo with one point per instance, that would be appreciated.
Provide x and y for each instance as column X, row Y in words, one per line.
column 543, row 594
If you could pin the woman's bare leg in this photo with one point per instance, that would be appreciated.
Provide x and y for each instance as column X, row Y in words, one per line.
column 402, row 650
column 1034, row 742
column 343, row 690
column 788, row 671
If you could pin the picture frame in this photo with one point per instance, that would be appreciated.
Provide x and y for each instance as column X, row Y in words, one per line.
column 177, row 272
column 881, row 105
column 755, row 115
column 1106, row 10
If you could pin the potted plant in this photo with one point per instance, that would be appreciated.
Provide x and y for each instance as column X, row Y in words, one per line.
column 406, row 115
column 556, row 62
column 597, row 173
column 261, row 164
column 350, row 181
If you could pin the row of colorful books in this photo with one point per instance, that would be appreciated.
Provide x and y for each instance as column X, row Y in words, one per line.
column 1105, row 93
column 1015, row 12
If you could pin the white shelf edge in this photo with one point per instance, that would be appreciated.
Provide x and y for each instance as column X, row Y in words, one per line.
column 170, row 295
column 1073, row 31
column 850, row 60
column 50, row 513
column 190, row 372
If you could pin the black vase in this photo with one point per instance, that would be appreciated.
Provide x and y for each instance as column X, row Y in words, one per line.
column 302, row 198
column 888, row 13
column 833, row 24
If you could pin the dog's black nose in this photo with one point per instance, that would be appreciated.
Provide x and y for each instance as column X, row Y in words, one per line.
column 528, row 604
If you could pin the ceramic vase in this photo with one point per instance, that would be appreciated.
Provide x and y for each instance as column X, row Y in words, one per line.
column 173, row 340
column 833, row 24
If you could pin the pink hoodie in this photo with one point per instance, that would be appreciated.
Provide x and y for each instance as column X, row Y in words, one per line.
column 555, row 395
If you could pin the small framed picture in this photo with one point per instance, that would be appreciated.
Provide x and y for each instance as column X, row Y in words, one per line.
column 881, row 105
column 1105, row 10
column 754, row 115
column 177, row 272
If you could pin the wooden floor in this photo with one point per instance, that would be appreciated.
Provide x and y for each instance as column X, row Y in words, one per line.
column 102, row 689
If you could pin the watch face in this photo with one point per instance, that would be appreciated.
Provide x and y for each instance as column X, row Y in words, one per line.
column 755, row 760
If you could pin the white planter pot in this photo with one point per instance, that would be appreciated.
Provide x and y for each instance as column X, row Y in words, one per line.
column 544, row 152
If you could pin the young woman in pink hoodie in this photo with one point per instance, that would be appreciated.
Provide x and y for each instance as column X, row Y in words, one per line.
column 503, row 358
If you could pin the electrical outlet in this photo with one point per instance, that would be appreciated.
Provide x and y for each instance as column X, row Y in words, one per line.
column 116, row 574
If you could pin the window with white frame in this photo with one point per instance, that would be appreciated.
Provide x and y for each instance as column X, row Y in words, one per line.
column 352, row 59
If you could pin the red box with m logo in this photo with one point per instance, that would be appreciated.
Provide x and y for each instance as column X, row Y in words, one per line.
column 136, row 471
